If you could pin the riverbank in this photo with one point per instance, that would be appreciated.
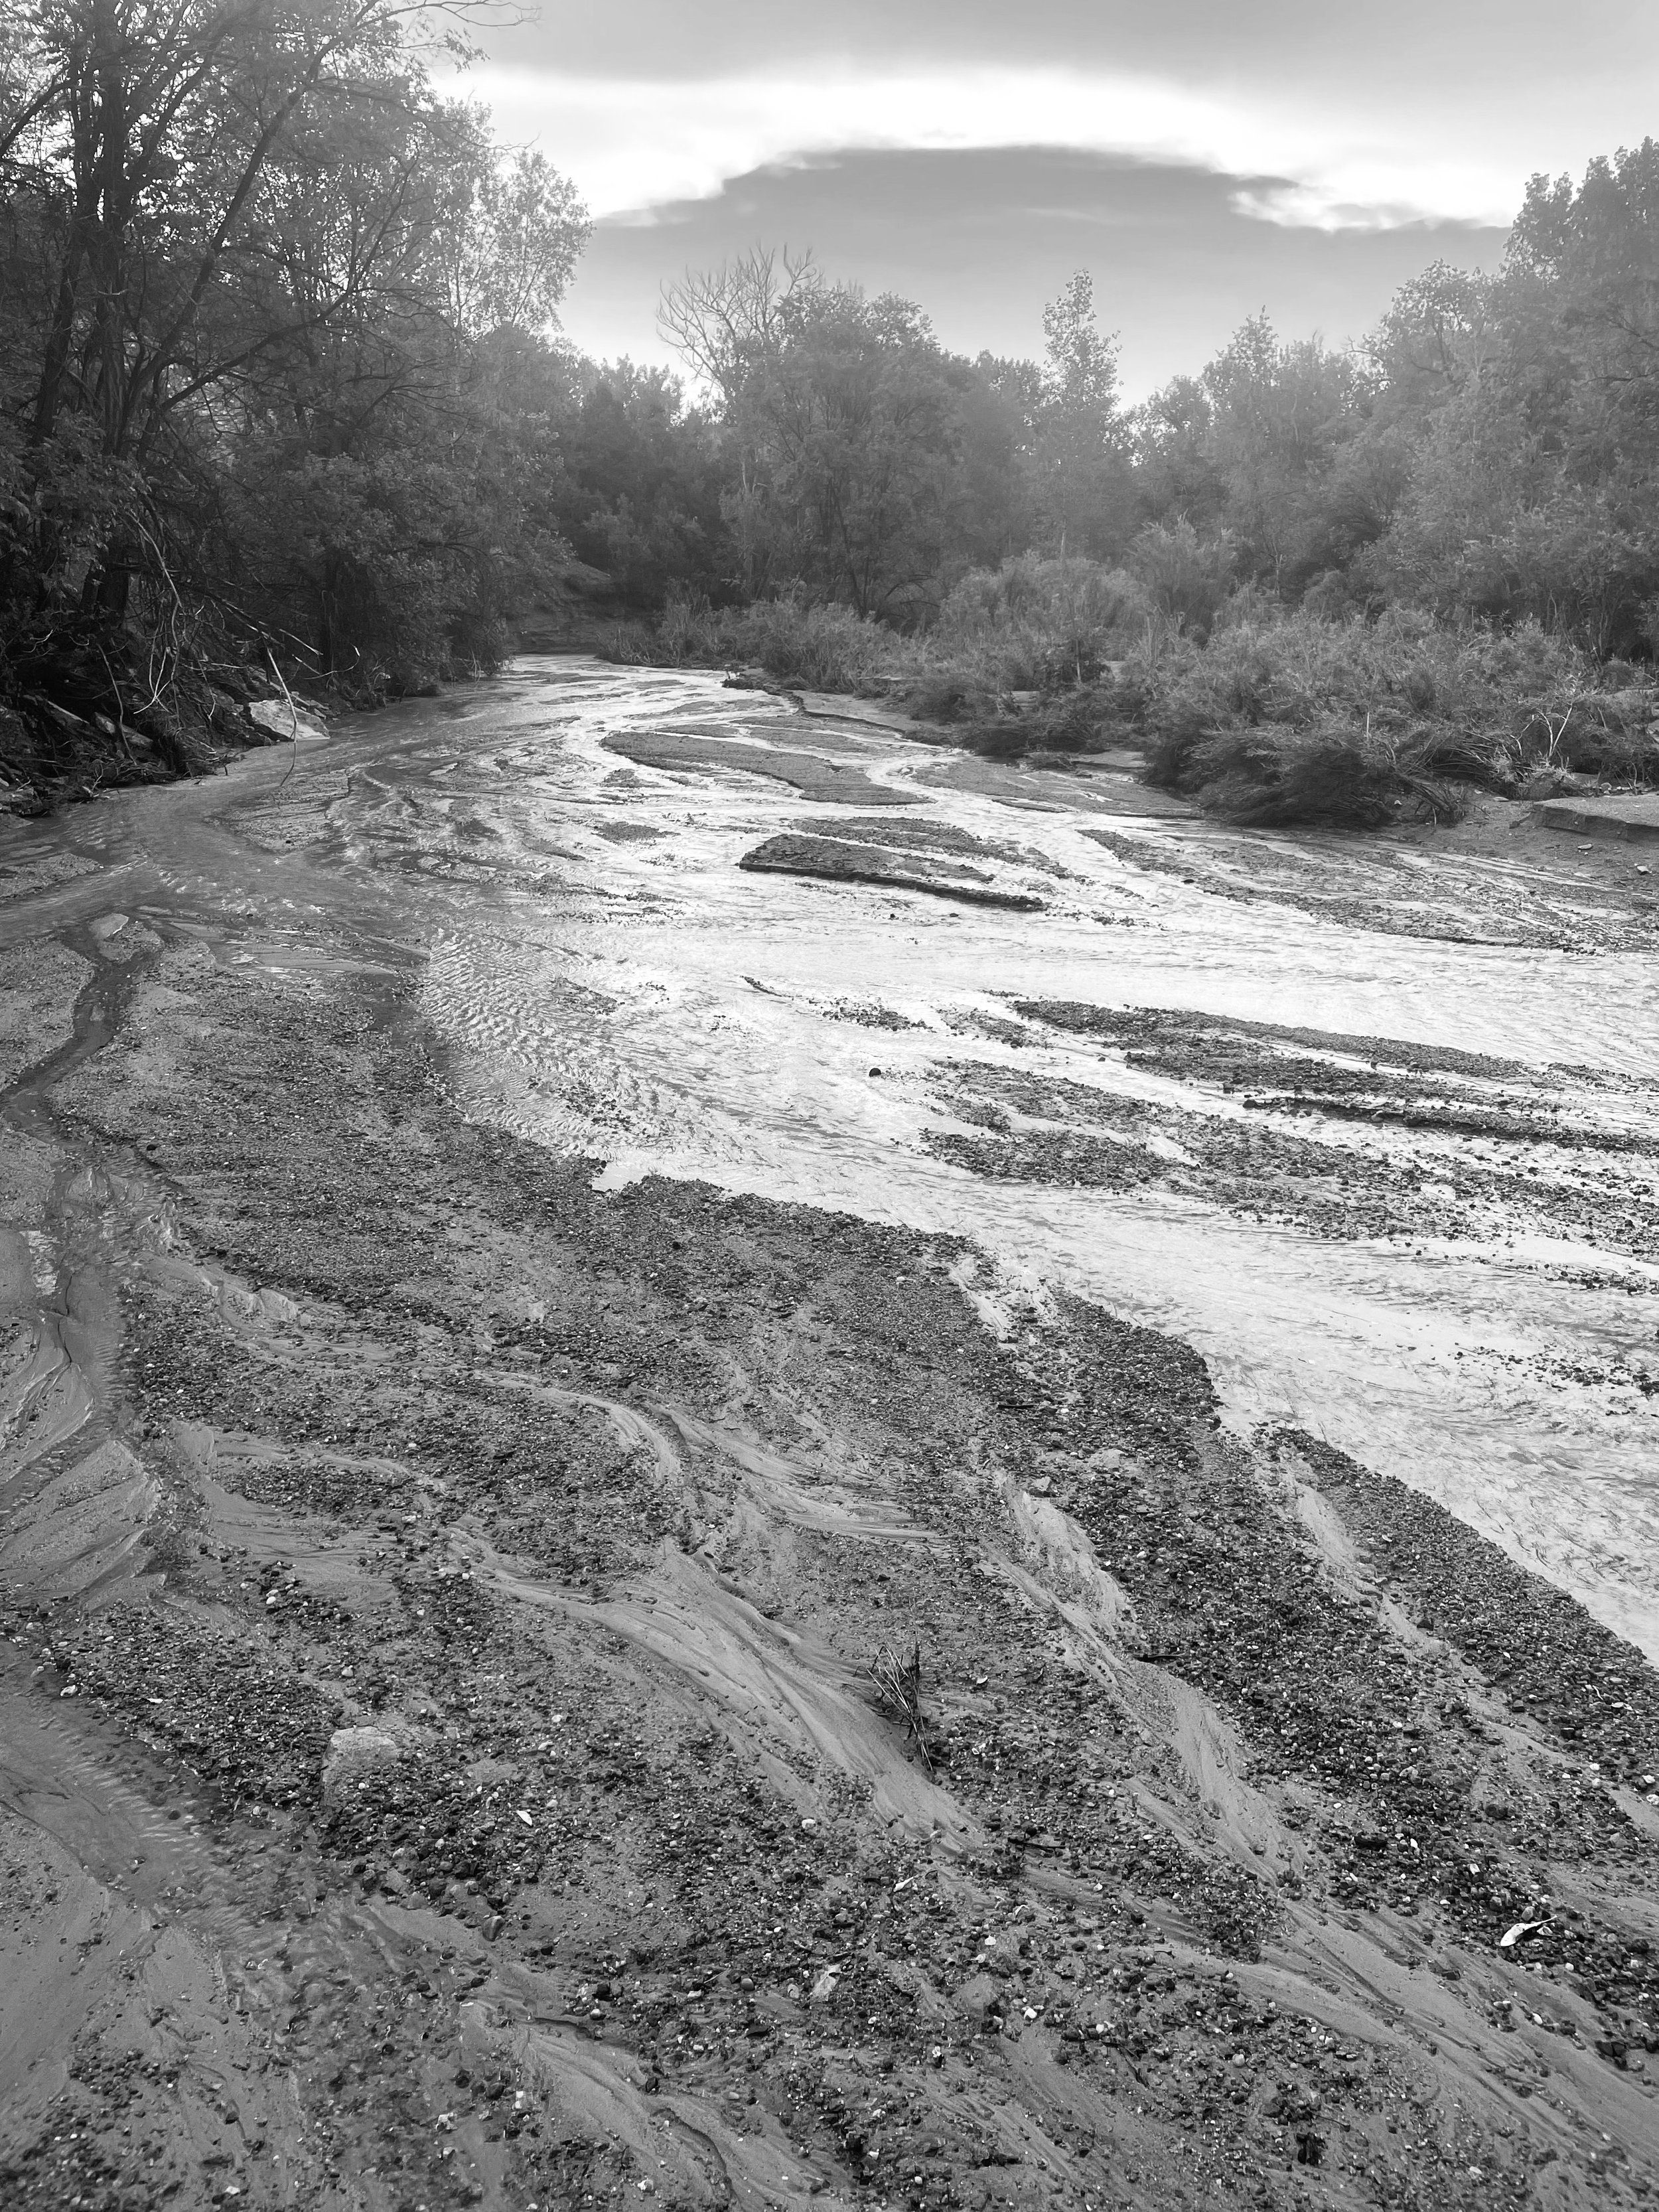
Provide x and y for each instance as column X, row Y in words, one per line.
column 52, row 756
column 441, row 1757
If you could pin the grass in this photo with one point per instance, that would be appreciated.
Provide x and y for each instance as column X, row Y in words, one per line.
column 1291, row 717
column 1276, row 716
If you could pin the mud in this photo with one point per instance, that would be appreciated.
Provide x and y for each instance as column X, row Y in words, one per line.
column 837, row 783
column 841, row 861
column 1518, row 881
column 440, row 1761
column 1520, row 1153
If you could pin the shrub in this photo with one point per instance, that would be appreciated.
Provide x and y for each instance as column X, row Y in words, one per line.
column 816, row 647
column 1276, row 716
column 1187, row 578
column 1297, row 718
column 1266, row 776
column 1038, row 625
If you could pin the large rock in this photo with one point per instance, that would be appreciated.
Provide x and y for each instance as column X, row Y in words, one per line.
column 1634, row 816
column 354, row 1756
column 843, row 861
column 285, row 719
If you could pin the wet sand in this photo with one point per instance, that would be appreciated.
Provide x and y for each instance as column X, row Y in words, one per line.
column 496, row 1347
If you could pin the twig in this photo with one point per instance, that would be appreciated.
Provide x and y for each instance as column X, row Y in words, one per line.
column 120, row 717
column 898, row 1683
column 293, row 717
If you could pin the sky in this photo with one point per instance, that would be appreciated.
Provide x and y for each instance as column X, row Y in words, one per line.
column 1202, row 159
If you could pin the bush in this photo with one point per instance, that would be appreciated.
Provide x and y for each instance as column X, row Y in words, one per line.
column 1039, row 625
column 813, row 647
column 1268, row 776
column 1187, row 578
column 1297, row 718
column 1277, row 716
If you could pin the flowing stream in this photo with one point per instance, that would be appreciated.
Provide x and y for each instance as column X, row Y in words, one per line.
column 610, row 980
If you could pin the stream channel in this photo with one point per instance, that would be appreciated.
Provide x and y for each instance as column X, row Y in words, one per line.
column 556, row 853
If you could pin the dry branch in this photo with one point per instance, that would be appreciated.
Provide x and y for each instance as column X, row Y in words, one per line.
column 898, row 1685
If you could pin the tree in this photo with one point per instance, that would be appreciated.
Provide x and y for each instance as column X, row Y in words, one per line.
column 1258, row 447
column 851, row 427
column 1534, row 478
column 1079, row 460
column 727, row 322
column 249, row 259
column 641, row 477
column 844, row 423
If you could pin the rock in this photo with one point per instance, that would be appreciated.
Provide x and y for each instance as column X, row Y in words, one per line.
column 842, row 860
column 285, row 719
column 978, row 1996
column 354, row 1753
column 1633, row 817
column 866, row 714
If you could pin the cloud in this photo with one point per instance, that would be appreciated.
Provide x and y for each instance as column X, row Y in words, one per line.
column 634, row 144
column 982, row 237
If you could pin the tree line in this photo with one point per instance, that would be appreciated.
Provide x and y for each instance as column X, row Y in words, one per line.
column 281, row 381
column 1490, row 452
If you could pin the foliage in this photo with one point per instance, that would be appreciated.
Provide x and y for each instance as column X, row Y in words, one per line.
column 1186, row 577
column 1300, row 718
column 279, row 373
column 251, row 266
column 861, row 456
column 639, row 485
column 805, row 644
column 1279, row 716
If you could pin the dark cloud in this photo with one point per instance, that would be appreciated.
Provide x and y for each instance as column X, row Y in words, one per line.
column 981, row 240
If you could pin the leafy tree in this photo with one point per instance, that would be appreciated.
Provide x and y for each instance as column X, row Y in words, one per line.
column 248, row 261
column 845, row 422
column 1176, row 471
column 1534, row 477
column 641, row 479
column 1079, row 458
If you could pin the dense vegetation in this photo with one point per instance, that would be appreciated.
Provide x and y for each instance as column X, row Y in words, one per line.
column 1306, row 583
column 282, row 400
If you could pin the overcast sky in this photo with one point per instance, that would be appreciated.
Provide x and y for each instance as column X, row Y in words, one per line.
column 1202, row 159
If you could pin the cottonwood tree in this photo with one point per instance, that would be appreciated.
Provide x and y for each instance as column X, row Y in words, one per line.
column 868, row 465
column 1247, row 469
column 640, row 474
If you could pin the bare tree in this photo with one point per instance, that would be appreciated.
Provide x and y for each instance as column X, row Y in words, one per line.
column 724, row 321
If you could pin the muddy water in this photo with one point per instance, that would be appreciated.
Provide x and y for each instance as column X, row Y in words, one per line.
column 609, row 979
column 648, row 1002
